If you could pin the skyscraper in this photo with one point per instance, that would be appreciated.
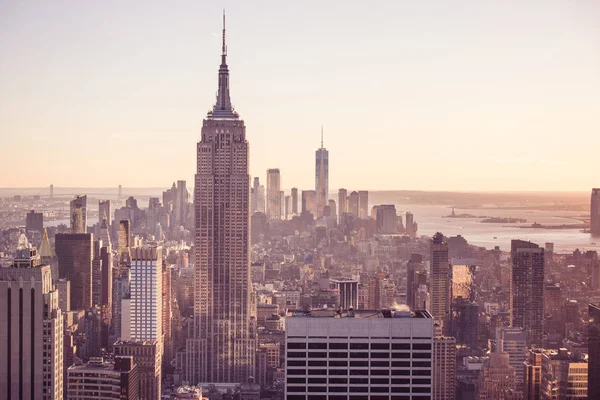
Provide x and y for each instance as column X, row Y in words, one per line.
column 104, row 209
column 386, row 219
column 74, row 254
column 513, row 341
column 309, row 202
column 34, row 222
column 321, row 177
column 595, row 212
column 124, row 240
column 444, row 368
column 294, row 201
column 342, row 203
column 594, row 352
column 440, row 283
column 533, row 375
column 273, row 196
column 145, row 316
column 181, row 203
column 363, row 204
column 79, row 214
column 31, row 328
column 223, row 344
column 527, row 290
column 410, row 224
column 366, row 353
column 255, row 194
column 353, row 204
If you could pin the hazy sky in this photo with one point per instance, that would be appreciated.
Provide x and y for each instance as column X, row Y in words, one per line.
column 431, row 95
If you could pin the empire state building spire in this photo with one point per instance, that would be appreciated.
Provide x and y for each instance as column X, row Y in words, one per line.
column 223, row 108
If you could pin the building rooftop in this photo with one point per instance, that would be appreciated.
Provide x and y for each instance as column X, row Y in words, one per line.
column 385, row 313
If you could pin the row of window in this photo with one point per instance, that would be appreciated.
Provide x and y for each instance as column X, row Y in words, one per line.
column 357, row 397
column 357, row 363
column 359, row 389
column 360, row 346
column 359, row 372
column 356, row 354
column 362, row 381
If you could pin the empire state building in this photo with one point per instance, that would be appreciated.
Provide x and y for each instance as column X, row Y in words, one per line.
column 223, row 344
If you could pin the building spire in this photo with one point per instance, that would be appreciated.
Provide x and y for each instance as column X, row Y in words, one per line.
column 223, row 108
column 321, row 136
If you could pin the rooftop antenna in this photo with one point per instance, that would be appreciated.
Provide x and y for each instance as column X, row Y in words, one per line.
column 321, row 136
column 224, row 49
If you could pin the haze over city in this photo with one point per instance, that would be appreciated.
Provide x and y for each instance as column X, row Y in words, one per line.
column 339, row 201
column 462, row 95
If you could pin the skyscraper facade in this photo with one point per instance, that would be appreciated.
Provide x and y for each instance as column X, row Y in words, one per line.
column 294, row 201
column 31, row 328
column 74, row 254
column 273, row 195
column 363, row 204
column 224, row 340
column 104, row 209
column 368, row 353
column 595, row 212
column 440, row 283
column 79, row 214
column 342, row 203
column 444, row 368
column 34, row 222
column 353, row 203
column 145, row 315
column 321, row 177
column 309, row 202
column 594, row 352
column 527, row 290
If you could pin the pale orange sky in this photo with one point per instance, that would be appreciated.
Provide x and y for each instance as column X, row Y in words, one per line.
column 462, row 95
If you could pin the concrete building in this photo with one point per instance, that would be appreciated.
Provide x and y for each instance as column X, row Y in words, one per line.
column 513, row 341
column 495, row 378
column 595, row 212
column 223, row 346
column 147, row 357
column 363, row 204
column 527, row 290
column 440, row 283
column 564, row 375
column 386, row 218
column 294, row 201
column 74, row 254
column 353, row 204
column 348, row 293
column 79, row 214
column 533, row 375
column 309, row 202
column 105, row 210
column 342, row 203
column 34, row 222
column 124, row 240
column 321, row 177
column 31, row 328
column 444, row 368
column 410, row 228
column 273, row 196
column 145, row 315
column 366, row 353
column 594, row 352
column 103, row 380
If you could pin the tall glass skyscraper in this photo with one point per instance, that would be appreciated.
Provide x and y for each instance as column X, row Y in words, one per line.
column 223, row 345
column 321, row 177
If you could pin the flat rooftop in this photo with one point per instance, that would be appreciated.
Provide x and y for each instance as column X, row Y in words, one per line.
column 385, row 313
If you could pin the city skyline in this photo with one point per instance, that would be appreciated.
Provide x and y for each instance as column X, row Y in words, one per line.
column 462, row 92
